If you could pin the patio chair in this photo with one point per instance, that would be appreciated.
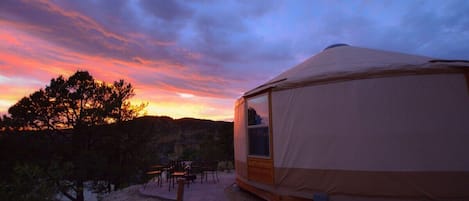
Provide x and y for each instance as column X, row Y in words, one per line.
column 211, row 168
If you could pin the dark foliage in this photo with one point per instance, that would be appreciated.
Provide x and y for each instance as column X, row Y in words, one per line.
column 78, row 130
column 66, row 111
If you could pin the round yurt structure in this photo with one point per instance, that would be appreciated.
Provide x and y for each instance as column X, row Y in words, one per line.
column 353, row 123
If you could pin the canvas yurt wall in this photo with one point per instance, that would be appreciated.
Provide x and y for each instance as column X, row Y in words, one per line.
column 357, row 124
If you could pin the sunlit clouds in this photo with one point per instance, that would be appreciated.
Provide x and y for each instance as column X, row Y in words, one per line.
column 183, row 95
column 193, row 59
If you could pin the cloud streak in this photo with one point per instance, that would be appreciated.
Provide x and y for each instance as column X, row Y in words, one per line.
column 212, row 50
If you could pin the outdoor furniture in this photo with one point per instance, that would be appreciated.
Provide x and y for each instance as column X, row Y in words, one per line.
column 210, row 168
column 191, row 173
column 174, row 177
column 168, row 171
column 197, row 168
column 173, row 166
column 190, row 178
column 155, row 176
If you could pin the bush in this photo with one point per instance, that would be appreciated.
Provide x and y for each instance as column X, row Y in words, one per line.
column 28, row 183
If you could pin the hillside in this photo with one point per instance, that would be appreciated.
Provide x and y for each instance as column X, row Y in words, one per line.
column 108, row 155
column 186, row 138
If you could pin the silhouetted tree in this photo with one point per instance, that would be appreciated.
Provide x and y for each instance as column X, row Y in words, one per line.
column 76, row 105
column 120, row 107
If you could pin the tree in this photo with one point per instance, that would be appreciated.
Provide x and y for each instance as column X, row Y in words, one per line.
column 120, row 107
column 75, row 105
column 29, row 182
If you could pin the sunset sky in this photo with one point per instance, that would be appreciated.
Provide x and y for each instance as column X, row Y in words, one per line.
column 195, row 58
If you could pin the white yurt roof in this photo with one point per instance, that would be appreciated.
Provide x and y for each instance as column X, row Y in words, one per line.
column 342, row 62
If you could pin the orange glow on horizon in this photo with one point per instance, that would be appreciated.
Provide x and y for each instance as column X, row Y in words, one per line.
column 175, row 111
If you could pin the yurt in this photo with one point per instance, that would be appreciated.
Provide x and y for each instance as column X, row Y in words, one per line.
column 353, row 123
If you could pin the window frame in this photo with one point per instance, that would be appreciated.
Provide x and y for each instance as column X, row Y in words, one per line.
column 268, row 125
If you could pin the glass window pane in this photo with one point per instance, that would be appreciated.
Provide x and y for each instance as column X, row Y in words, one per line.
column 259, row 141
column 258, row 111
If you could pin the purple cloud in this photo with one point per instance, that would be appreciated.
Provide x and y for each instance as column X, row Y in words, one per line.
column 219, row 48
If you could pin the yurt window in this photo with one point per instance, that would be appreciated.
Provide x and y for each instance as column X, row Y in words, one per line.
column 258, row 125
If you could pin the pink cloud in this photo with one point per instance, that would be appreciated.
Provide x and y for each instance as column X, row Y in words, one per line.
column 24, row 70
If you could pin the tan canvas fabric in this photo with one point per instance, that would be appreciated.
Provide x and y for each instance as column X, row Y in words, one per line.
column 240, row 131
column 349, row 62
column 438, row 185
column 410, row 123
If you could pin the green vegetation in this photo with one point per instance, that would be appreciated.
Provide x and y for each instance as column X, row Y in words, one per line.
column 29, row 182
column 78, row 130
